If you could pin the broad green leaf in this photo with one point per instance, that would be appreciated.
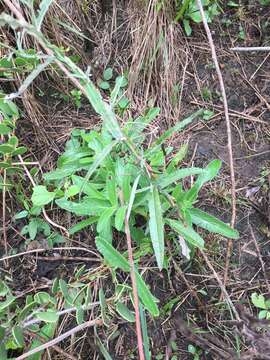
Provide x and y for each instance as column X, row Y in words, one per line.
column 115, row 259
column 72, row 191
column 187, row 232
column 212, row 224
column 123, row 102
column 98, row 161
column 33, row 228
column 4, row 129
column 86, row 207
column 79, row 315
column 26, row 311
column 120, row 217
column 105, row 219
column 18, row 336
column 49, row 316
column 148, row 300
column 9, row 300
column 20, row 150
column 108, row 74
column 6, row 149
column 43, row 8
column 82, row 224
column 124, row 311
column 111, row 255
column 88, row 188
column 43, row 298
column 3, row 352
column 156, row 225
column 258, row 300
column 59, row 174
column 104, row 85
column 20, row 215
column 187, row 27
column 135, row 128
column 262, row 314
column 46, row 332
column 41, row 196
column 165, row 180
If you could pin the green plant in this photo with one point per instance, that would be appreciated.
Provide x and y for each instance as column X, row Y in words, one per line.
column 188, row 11
column 9, row 146
column 116, row 184
column 116, row 88
column 39, row 314
column 262, row 304
column 194, row 351
column 103, row 180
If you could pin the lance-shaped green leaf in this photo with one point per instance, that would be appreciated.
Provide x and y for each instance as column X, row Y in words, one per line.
column 188, row 233
column 156, row 225
column 167, row 179
column 98, row 161
column 212, row 224
column 117, row 260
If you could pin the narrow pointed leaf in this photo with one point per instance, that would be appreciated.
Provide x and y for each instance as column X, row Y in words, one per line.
column 212, row 224
column 167, row 179
column 188, row 233
column 156, row 225
column 98, row 161
column 115, row 259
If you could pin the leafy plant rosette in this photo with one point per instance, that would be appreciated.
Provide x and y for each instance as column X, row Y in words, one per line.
column 101, row 179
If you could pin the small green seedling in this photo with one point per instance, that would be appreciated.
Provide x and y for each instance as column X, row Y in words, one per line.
column 259, row 301
column 189, row 12
column 196, row 352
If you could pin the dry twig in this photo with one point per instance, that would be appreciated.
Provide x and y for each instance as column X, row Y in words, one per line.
column 229, row 134
column 60, row 338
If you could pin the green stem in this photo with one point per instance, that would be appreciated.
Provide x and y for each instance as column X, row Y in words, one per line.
column 182, row 10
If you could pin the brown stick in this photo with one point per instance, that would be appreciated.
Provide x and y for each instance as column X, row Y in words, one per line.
column 229, row 134
column 4, row 214
column 221, row 285
column 60, row 338
column 134, row 289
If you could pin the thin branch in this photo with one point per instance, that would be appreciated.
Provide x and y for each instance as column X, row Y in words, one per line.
column 221, row 285
column 30, row 322
column 134, row 289
column 42, row 250
column 55, row 347
column 60, row 338
column 4, row 213
column 229, row 134
column 247, row 49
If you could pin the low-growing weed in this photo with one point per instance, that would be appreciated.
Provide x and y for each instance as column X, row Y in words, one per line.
column 189, row 12
column 262, row 304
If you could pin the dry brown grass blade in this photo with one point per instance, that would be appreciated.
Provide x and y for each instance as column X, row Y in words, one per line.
column 61, row 338
column 229, row 134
